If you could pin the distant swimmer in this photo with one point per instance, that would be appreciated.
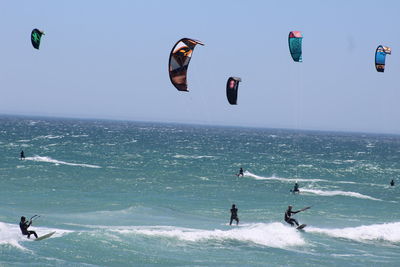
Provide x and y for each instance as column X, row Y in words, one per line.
column 288, row 215
column 22, row 155
column 234, row 215
column 24, row 227
column 240, row 172
column 392, row 182
column 295, row 188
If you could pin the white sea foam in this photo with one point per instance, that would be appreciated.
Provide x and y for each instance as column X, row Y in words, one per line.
column 10, row 234
column 191, row 157
column 131, row 141
column 337, row 193
column 346, row 182
column 32, row 123
column 48, row 137
column 58, row 162
column 305, row 165
column 389, row 232
column 271, row 235
column 79, row 135
column 291, row 180
column 25, row 145
column 13, row 145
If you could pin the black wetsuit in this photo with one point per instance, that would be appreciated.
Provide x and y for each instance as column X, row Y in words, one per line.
column 240, row 172
column 296, row 188
column 234, row 216
column 392, row 183
column 288, row 218
column 22, row 155
column 24, row 229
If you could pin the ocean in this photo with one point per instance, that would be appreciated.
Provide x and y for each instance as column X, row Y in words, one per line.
column 123, row 193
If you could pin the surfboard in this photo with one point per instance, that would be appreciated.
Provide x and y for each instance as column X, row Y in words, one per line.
column 301, row 226
column 44, row 236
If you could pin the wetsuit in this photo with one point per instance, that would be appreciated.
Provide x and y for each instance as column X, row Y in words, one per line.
column 22, row 155
column 24, row 229
column 296, row 188
column 288, row 218
column 240, row 172
column 392, row 183
column 234, row 216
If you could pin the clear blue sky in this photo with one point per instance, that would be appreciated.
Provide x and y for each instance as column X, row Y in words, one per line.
column 108, row 59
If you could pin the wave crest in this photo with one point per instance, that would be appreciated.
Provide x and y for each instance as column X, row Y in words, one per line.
column 272, row 234
column 389, row 232
column 58, row 162
column 10, row 234
column 338, row 193
column 291, row 180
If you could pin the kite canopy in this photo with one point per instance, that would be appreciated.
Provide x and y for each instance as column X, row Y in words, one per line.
column 232, row 87
column 36, row 35
column 380, row 57
column 295, row 41
column 179, row 60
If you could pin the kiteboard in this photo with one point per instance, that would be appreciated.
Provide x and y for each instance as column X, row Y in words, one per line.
column 301, row 226
column 45, row 236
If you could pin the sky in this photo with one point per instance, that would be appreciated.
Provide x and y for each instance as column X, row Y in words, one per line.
column 109, row 60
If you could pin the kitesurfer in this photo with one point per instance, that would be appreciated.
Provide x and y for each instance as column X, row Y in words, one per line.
column 22, row 155
column 240, row 172
column 23, row 224
column 392, row 182
column 289, row 213
column 234, row 215
column 296, row 188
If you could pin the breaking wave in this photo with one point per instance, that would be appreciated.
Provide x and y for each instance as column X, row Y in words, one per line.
column 10, row 234
column 266, row 234
column 389, row 232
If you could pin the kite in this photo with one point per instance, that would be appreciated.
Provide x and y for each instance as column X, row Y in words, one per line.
column 295, row 41
column 36, row 35
column 232, row 87
column 380, row 57
column 179, row 60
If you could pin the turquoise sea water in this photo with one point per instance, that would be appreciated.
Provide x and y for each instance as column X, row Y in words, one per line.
column 145, row 194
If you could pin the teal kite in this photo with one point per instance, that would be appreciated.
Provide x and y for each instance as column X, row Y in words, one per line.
column 295, row 42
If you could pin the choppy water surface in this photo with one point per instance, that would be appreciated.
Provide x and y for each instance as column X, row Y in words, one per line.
column 127, row 193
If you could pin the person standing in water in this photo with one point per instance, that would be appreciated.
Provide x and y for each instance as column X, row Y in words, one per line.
column 22, row 155
column 240, row 172
column 24, row 225
column 234, row 215
column 296, row 188
column 392, row 183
